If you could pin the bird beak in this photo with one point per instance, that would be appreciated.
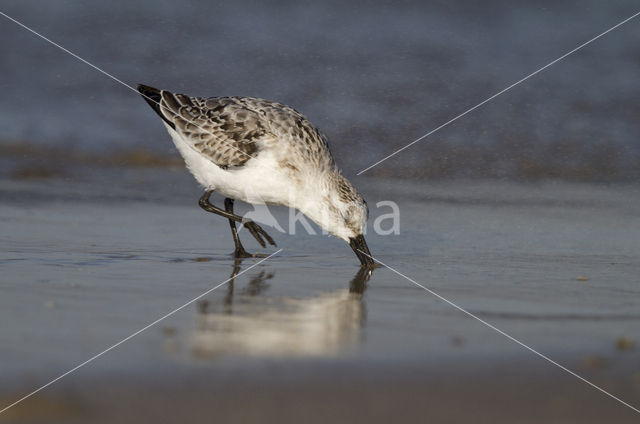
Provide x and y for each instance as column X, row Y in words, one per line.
column 360, row 248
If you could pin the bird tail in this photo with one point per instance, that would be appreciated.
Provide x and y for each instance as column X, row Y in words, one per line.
column 153, row 96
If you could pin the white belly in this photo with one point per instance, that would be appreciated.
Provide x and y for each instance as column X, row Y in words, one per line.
column 259, row 181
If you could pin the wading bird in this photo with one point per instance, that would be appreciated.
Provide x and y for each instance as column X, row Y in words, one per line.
column 261, row 152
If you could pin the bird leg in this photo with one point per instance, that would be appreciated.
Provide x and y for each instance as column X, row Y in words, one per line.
column 256, row 231
column 239, row 252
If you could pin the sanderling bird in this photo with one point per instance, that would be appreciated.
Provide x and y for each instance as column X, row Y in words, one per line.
column 261, row 152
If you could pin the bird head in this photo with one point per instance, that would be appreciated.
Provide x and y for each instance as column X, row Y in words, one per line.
column 343, row 212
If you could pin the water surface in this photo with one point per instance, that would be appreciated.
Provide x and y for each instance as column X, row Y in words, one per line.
column 85, row 264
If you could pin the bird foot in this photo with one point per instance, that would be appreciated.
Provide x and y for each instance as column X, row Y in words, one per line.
column 243, row 254
column 258, row 233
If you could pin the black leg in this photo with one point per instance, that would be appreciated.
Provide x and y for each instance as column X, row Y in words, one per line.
column 256, row 231
column 239, row 252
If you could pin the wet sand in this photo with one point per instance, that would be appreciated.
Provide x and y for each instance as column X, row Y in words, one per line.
column 89, row 260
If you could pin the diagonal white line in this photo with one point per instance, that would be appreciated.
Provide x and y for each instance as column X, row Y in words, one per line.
column 86, row 62
column 498, row 93
column 134, row 334
column 510, row 337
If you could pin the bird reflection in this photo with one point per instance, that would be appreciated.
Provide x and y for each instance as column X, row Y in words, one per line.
column 256, row 285
column 359, row 283
column 251, row 324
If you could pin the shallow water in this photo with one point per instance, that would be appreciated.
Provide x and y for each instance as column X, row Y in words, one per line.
column 86, row 263
column 92, row 251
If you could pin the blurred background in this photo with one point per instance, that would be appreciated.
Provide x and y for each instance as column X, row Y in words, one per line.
column 372, row 75
column 524, row 212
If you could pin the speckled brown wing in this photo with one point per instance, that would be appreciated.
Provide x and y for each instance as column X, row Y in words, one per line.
column 220, row 128
column 305, row 143
column 231, row 130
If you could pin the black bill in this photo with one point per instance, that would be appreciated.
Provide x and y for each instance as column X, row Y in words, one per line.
column 360, row 248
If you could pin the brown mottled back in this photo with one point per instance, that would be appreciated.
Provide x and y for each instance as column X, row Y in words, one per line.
column 232, row 130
